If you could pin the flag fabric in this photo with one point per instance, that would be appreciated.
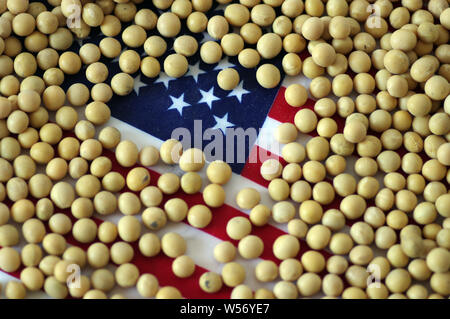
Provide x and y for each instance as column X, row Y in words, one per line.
column 149, row 115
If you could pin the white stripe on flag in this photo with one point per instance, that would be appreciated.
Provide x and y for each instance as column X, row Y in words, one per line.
column 267, row 140
column 299, row 79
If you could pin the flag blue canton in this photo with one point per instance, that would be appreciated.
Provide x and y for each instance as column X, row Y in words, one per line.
column 160, row 105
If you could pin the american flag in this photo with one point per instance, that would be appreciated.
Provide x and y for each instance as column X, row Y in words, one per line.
column 149, row 115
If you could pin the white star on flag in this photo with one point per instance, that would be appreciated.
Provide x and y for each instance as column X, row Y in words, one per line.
column 222, row 123
column 223, row 64
column 164, row 78
column 178, row 103
column 195, row 71
column 239, row 91
column 138, row 84
column 208, row 97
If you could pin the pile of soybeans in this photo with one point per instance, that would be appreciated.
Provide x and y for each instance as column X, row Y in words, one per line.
column 381, row 66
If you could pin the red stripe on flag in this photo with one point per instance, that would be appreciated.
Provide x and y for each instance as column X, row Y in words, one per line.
column 282, row 111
